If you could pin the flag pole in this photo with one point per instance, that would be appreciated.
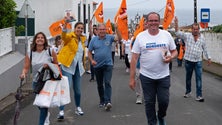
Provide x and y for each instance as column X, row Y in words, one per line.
column 117, row 19
column 92, row 17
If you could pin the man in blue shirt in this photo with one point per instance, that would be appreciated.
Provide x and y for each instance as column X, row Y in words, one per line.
column 103, row 64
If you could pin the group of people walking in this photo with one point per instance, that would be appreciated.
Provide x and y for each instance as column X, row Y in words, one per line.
column 147, row 58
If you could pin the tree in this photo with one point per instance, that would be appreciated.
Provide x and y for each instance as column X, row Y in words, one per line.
column 217, row 29
column 7, row 13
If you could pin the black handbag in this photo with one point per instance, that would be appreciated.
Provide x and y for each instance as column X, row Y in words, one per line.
column 40, row 83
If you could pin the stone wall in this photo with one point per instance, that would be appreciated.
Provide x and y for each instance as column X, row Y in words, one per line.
column 214, row 46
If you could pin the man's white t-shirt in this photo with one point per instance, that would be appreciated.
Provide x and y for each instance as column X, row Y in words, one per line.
column 151, row 50
column 127, row 46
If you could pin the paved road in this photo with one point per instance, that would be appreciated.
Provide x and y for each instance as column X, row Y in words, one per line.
column 125, row 112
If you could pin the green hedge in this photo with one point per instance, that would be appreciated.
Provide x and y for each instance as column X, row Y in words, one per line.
column 217, row 29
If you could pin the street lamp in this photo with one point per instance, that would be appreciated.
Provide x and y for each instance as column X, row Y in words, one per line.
column 137, row 17
column 195, row 11
column 135, row 23
column 131, row 25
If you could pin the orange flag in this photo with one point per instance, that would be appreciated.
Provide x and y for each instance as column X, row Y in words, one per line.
column 121, row 20
column 141, row 27
column 109, row 27
column 56, row 27
column 99, row 13
column 169, row 14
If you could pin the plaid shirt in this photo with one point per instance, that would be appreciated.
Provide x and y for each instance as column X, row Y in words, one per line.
column 194, row 50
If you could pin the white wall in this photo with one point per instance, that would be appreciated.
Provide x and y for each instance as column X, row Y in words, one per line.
column 6, row 40
column 214, row 46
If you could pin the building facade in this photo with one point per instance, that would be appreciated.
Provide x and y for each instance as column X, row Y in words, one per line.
column 48, row 11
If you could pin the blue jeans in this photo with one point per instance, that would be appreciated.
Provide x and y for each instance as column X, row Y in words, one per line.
column 43, row 115
column 127, row 61
column 152, row 89
column 75, row 82
column 104, row 76
column 92, row 69
column 43, row 111
column 179, row 62
column 197, row 66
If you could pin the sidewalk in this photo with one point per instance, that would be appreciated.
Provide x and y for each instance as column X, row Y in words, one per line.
column 215, row 69
column 10, row 99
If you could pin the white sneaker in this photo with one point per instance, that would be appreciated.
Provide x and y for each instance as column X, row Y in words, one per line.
column 127, row 70
column 139, row 99
column 200, row 99
column 60, row 116
column 47, row 119
column 108, row 106
column 79, row 111
column 187, row 95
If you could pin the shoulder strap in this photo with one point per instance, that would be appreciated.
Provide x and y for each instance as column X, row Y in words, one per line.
column 49, row 52
column 31, row 57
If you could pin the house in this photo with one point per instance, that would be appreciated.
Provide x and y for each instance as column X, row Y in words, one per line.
column 48, row 11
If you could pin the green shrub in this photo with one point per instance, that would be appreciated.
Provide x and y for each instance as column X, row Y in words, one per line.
column 7, row 13
column 19, row 30
column 217, row 29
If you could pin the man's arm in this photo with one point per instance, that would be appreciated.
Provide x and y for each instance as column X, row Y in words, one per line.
column 123, row 48
column 118, row 33
column 176, row 24
column 90, row 55
column 133, row 70
column 93, row 62
column 174, row 54
column 90, row 28
column 177, row 32
column 204, row 46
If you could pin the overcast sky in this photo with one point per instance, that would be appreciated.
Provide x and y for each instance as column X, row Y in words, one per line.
column 186, row 17
column 159, row 4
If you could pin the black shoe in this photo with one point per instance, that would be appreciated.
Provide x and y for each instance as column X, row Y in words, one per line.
column 60, row 117
column 161, row 121
column 91, row 80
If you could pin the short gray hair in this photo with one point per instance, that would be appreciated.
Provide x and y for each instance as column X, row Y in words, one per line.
column 147, row 18
column 101, row 24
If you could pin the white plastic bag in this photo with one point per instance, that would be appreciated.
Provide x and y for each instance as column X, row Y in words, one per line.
column 55, row 93
column 43, row 99
column 55, row 102
column 65, row 91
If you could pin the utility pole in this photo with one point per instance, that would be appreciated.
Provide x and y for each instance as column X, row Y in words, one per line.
column 79, row 10
column 195, row 11
column 84, row 15
column 26, row 12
